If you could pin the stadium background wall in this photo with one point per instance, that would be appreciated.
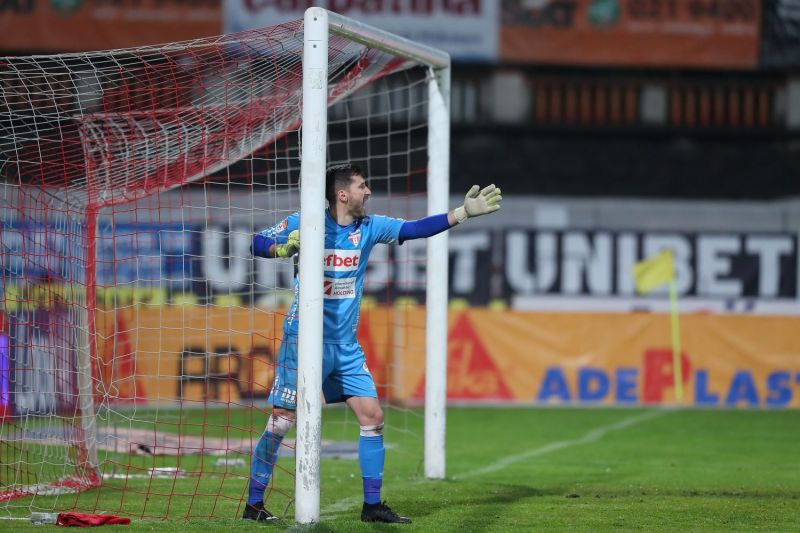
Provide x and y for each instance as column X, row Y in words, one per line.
column 584, row 339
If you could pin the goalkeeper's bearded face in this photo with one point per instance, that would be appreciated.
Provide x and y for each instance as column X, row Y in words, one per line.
column 357, row 195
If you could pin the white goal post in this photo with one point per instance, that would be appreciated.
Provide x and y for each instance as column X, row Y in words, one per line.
column 318, row 25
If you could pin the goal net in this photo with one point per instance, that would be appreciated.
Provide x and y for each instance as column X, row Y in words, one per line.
column 138, row 335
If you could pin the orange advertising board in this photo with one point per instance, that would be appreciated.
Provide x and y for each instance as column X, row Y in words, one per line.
column 81, row 25
column 617, row 359
column 162, row 354
column 668, row 33
column 195, row 354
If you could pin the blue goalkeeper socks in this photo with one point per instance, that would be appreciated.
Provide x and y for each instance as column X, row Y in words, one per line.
column 371, row 456
column 262, row 465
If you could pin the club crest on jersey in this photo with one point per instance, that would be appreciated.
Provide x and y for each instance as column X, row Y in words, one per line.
column 282, row 225
column 355, row 237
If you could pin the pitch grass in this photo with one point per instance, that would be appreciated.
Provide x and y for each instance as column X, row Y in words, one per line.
column 524, row 469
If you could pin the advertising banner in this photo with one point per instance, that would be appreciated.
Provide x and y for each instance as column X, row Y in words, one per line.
column 530, row 269
column 614, row 359
column 228, row 354
column 666, row 33
column 467, row 29
column 591, row 270
column 81, row 25
column 208, row 353
column 190, row 354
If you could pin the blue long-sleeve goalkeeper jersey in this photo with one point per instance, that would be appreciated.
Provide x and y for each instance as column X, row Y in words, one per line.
column 347, row 250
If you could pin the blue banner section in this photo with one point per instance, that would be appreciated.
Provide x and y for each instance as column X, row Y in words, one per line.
column 146, row 254
column 36, row 252
column 45, row 261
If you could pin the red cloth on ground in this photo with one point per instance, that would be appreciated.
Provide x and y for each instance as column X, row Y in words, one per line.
column 88, row 520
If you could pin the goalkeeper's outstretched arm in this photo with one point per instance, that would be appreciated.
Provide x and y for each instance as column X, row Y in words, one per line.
column 477, row 202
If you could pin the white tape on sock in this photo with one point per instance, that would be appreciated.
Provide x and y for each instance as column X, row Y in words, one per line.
column 372, row 431
column 279, row 425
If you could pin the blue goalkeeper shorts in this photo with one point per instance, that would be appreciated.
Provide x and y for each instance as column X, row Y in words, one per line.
column 344, row 374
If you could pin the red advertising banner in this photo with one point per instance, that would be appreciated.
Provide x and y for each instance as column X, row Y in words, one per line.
column 80, row 25
column 667, row 33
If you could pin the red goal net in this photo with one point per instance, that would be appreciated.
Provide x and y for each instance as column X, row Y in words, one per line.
column 137, row 333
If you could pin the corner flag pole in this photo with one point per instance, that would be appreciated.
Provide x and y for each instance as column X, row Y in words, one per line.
column 650, row 274
column 677, row 365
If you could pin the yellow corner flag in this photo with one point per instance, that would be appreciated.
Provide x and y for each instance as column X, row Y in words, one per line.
column 653, row 272
column 649, row 274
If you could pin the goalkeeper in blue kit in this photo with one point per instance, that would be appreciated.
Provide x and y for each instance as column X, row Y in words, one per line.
column 350, row 235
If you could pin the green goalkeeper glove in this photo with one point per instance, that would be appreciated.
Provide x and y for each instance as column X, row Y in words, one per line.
column 478, row 203
column 291, row 247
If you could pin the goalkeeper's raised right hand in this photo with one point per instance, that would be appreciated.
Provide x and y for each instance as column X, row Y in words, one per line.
column 478, row 203
column 291, row 247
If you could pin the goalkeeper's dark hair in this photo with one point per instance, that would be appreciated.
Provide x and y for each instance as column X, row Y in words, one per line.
column 338, row 177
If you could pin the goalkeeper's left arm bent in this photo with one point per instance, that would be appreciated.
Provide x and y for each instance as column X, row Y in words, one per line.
column 477, row 202
column 264, row 246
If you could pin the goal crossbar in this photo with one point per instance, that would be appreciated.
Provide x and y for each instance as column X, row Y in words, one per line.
column 387, row 42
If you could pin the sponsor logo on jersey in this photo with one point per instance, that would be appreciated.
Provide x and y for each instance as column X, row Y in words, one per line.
column 339, row 288
column 355, row 237
column 341, row 260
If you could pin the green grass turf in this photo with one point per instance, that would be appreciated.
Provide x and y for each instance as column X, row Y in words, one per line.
column 516, row 469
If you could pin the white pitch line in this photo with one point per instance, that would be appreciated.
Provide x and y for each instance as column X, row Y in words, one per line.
column 592, row 436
